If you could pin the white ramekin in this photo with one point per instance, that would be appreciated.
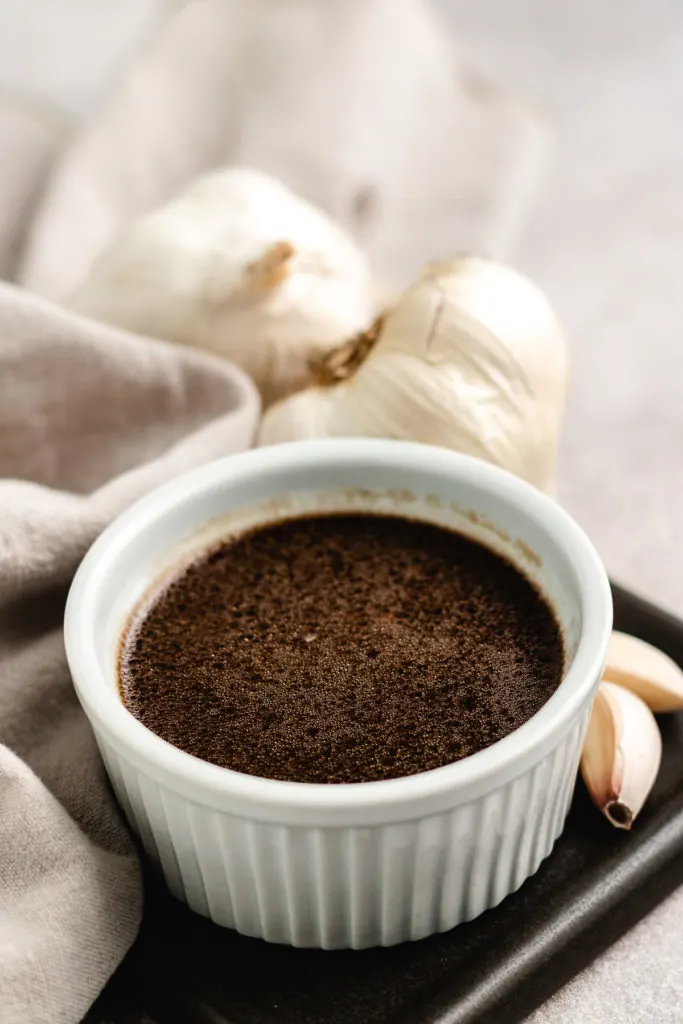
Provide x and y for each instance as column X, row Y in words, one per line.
column 343, row 865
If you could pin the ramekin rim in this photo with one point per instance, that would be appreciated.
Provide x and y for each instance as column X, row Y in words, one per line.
column 112, row 718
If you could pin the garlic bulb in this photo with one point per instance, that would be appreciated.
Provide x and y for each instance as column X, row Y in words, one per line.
column 240, row 266
column 621, row 754
column 470, row 358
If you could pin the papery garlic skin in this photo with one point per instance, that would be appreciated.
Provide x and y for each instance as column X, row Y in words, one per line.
column 471, row 358
column 621, row 754
column 240, row 266
column 646, row 671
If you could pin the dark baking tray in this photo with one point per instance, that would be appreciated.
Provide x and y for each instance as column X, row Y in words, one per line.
column 596, row 884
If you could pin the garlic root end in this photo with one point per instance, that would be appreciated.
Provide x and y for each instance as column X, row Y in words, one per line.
column 619, row 814
column 341, row 362
column 270, row 269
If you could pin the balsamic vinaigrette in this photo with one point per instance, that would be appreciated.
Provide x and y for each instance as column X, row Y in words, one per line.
column 341, row 648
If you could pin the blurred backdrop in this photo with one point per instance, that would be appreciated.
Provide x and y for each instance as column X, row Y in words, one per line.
column 603, row 235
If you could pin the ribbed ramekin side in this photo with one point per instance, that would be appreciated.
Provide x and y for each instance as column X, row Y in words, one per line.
column 352, row 887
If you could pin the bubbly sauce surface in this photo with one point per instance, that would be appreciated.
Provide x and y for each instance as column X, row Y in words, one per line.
column 341, row 648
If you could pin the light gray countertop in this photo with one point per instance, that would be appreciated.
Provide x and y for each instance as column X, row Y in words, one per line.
column 606, row 242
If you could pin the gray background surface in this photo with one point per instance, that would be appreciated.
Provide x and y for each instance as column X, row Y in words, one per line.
column 606, row 242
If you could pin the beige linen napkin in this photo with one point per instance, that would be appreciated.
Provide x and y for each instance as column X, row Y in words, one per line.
column 32, row 133
column 90, row 418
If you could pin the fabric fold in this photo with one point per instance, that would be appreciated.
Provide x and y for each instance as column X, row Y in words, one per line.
column 90, row 419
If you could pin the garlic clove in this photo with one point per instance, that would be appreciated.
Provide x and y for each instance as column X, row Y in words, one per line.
column 300, row 417
column 646, row 671
column 621, row 754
